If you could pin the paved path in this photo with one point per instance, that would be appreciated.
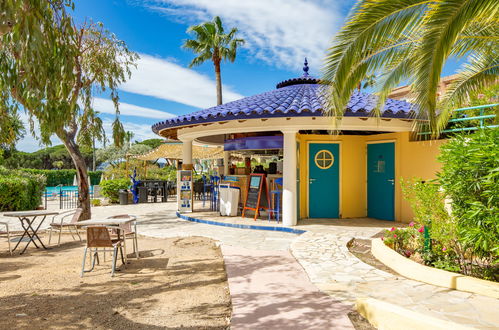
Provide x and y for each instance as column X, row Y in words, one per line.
column 323, row 254
column 333, row 269
column 270, row 290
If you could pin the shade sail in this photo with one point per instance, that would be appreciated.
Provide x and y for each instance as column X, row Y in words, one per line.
column 174, row 151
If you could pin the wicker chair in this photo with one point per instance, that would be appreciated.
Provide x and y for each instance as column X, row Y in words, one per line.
column 99, row 237
column 129, row 231
column 7, row 232
column 59, row 225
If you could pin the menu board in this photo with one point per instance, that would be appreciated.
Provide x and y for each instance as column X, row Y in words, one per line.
column 185, row 194
column 257, row 197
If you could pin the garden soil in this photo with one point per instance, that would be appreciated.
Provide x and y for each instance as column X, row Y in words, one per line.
column 177, row 283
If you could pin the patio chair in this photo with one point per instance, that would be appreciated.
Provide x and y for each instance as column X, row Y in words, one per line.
column 128, row 231
column 59, row 225
column 99, row 237
column 8, row 234
column 276, row 200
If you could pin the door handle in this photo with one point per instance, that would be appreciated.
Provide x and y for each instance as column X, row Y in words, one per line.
column 311, row 180
column 391, row 180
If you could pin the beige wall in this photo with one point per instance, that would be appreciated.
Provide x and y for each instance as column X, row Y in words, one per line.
column 412, row 159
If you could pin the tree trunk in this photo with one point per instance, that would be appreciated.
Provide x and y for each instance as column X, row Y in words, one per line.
column 81, row 175
column 219, row 82
column 93, row 154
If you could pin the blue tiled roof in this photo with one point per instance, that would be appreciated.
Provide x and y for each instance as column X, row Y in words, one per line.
column 293, row 98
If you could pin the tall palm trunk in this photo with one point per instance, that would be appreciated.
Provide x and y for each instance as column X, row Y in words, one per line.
column 81, row 175
column 93, row 153
column 219, row 81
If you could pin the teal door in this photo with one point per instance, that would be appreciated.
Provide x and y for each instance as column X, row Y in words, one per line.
column 380, row 181
column 324, row 180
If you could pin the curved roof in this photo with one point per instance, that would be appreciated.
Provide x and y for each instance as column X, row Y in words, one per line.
column 302, row 96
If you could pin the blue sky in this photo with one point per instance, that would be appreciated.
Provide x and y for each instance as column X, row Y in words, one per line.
column 279, row 34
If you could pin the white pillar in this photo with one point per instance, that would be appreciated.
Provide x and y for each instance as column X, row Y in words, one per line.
column 186, row 151
column 226, row 162
column 289, row 195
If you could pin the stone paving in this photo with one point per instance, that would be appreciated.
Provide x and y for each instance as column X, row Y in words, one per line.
column 333, row 269
column 322, row 252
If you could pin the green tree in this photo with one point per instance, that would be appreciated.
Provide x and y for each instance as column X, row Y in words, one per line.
column 212, row 43
column 91, row 129
column 153, row 143
column 411, row 40
column 51, row 67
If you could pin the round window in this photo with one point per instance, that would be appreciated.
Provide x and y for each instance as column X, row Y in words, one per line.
column 324, row 159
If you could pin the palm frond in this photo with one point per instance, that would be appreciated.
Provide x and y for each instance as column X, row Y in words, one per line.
column 443, row 25
column 481, row 71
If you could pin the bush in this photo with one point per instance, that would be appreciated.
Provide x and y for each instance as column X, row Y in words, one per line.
column 64, row 177
column 111, row 188
column 464, row 238
column 20, row 191
column 96, row 202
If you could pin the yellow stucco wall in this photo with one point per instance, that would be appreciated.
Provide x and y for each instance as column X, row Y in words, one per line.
column 412, row 159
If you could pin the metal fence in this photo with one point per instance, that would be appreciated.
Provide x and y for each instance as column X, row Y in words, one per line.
column 67, row 199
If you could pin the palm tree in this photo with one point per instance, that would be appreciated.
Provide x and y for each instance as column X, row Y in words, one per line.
column 410, row 41
column 212, row 43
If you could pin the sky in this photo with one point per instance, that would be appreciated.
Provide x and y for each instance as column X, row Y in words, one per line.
column 278, row 34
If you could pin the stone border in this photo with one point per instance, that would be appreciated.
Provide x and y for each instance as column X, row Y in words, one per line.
column 240, row 226
column 422, row 273
column 386, row 316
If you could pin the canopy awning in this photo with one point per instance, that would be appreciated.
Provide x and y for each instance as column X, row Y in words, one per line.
column 174, row 151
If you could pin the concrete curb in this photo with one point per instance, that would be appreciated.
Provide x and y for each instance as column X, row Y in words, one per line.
column 386, row 316
column 240, row 226
column 422, row 273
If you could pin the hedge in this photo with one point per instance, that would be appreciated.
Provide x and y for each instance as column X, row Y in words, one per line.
column 20, row 191
column 111, row 188
column 64, row 177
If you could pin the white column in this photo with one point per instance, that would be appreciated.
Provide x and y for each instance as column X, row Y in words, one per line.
column 289, row 195
column 226, row 162
column 186, row 151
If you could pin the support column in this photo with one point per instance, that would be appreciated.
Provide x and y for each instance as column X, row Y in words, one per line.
column 289, row 195
column 186, row 153
column 226, row 162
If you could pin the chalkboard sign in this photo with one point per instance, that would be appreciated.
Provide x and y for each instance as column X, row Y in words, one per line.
column 257, row 197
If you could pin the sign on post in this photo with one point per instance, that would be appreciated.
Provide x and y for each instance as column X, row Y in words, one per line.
column 185, row 199
column 257, row 196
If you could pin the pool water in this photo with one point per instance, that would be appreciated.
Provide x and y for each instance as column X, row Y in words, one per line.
column 51, row 190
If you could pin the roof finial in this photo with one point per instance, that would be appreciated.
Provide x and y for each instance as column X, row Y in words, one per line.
column 305, row 68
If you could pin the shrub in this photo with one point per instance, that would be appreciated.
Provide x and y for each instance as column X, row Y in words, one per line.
column 64, row 177
column 96, row 202
column 470, row 177
column 111, row 188
column 20, row 191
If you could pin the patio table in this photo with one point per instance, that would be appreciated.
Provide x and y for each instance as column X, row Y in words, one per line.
column 108, row 222
column 27, row 219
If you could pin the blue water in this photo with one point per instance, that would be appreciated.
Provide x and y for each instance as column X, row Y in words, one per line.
column 51, row 190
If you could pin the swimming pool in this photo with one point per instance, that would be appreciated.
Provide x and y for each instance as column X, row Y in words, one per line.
column 57, row 189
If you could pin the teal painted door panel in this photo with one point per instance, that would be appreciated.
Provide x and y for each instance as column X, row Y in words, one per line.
column 380, row 181
column 324, row 180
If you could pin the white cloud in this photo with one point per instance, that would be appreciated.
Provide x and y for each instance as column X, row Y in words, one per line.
column 126, row 109
column 169, row 81
column 280, row 32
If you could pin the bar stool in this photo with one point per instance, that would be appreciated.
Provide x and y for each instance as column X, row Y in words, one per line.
column 276, row 194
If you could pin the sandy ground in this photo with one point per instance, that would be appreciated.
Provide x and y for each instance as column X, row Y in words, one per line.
column 178, row 283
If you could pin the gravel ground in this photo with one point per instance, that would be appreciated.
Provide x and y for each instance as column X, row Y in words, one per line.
column 177, row 283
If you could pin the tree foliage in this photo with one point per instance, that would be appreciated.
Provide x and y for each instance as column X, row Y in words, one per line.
column 51, row 68
column 211, row 43
column 411, row 40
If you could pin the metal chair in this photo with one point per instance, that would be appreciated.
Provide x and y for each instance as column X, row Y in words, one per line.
column 129, row 232
column 99, row 237
column 8, row 234
column 275, row 197
column 60, row 225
